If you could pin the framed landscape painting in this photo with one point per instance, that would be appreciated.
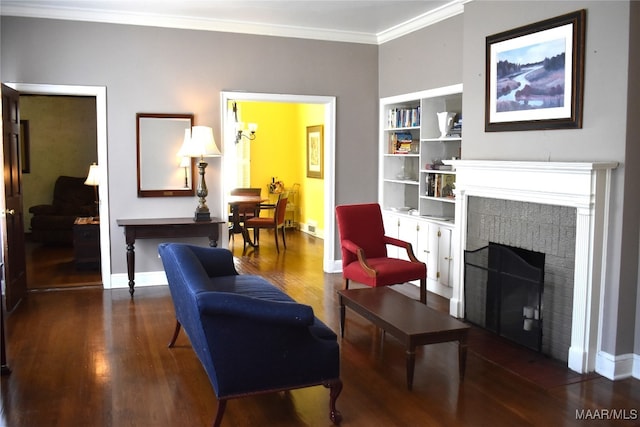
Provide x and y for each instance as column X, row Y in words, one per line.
column 535, row 75
column 315, row 151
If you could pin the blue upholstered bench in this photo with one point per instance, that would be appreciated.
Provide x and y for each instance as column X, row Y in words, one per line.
column 249, row 335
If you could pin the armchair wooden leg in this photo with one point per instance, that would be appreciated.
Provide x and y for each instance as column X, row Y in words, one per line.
column 346, row 283
column 284, row 241
column 423, row 291
column 335, row 388
column 175, row 334
column 222, row 405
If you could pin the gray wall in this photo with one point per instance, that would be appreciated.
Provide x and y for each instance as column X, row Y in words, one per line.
column 166, row 70
column 176, row 71
column 610, row 117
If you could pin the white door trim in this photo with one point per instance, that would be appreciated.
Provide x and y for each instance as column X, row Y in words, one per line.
column 100, row 92
column 329, row 155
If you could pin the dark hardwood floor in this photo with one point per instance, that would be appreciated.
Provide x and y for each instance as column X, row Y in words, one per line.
column 90, row 357
column 51, row 267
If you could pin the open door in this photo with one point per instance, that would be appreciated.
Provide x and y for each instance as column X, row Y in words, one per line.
column 14, row 250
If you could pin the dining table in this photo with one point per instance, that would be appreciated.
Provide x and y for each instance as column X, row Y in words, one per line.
column 243, row 203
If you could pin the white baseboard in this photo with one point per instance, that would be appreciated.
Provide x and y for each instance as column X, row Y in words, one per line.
column 311, row 230
column 335, row 266
column 149, row 278
column 617, row 367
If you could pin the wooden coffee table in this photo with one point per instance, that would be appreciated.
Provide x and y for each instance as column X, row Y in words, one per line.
column 410, row 321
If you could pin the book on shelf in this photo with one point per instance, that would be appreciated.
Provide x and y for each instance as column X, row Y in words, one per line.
column 401, row 143
column 441, row 185
column 456, row 129
column 403, row 117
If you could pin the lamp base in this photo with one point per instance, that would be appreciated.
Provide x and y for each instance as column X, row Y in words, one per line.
column 202, row 216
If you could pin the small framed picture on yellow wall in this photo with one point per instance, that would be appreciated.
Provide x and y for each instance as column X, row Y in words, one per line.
column 315, row 151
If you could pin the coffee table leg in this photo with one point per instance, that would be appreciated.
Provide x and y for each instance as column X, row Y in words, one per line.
column 462, row 356
column 411, row 362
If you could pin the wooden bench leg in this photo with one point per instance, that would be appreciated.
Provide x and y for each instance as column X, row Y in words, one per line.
column 175, row 334
column 222, row 405
column 335, row 388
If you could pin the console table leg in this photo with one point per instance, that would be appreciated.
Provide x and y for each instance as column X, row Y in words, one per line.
column 131, row 262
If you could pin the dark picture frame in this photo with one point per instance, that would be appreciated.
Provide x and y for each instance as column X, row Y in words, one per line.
column 315, row 151
column 535, row 75
column 25, row 161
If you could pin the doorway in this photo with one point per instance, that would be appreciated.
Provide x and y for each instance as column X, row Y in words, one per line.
column 228, row 136
column 59, row 144
column 100, row 95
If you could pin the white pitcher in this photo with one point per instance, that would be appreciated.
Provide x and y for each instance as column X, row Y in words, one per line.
column 445, row 122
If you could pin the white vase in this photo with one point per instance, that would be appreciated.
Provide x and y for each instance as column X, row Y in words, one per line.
column 445, row 122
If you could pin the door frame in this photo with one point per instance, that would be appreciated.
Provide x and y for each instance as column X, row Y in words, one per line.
column 100, row 93
column 228, row 142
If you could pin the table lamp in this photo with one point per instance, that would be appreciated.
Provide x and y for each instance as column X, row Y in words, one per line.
column 201, row 145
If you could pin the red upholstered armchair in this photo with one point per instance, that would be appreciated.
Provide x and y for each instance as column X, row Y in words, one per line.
column 364, row 250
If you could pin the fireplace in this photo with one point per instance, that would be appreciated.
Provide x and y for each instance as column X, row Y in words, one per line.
column 503, row 292
column 584, row 188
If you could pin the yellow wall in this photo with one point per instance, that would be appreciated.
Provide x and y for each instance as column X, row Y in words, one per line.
column 279, row 151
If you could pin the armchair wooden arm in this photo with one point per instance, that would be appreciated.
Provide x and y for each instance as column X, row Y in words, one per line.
column 362, row 258
column 402, row 244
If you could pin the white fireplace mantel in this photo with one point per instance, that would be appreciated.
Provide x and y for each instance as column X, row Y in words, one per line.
column 583, row 185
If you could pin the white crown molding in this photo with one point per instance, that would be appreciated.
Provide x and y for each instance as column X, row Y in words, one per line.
column 450, row 9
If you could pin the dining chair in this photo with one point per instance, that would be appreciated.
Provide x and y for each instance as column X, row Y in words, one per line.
column 364, row 250
column 276, row 223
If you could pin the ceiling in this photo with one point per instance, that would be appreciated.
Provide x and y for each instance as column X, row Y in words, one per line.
column 358, row 21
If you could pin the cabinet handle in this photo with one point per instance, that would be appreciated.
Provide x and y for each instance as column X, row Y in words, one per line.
column 447, row 258
column 10, row 212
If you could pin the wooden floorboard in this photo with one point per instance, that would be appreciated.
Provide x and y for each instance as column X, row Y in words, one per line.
column 93, row 357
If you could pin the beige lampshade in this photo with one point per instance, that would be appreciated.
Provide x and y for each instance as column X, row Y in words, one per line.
column 201, row 143
column 185, row 162
column 93, row 178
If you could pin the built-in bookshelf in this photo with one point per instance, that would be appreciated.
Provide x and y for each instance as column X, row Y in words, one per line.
column 416, row 186
column 414, row 177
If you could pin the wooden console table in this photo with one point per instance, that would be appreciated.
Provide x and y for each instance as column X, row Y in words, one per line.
column 160, row 228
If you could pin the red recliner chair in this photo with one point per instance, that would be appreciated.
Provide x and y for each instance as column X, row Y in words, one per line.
column 364, row 250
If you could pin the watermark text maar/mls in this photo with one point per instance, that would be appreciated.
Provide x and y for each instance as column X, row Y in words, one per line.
column 606, row 414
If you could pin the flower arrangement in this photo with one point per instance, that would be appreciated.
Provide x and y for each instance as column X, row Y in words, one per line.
column 276, row 187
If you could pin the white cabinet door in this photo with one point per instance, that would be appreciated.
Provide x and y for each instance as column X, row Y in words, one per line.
column 433, row 240
column 422, row 248
column 444, row 256
column 438, row 254
column 408, row 231
column 392, row 229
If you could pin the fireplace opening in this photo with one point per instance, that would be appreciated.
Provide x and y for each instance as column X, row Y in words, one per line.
column 503, row 292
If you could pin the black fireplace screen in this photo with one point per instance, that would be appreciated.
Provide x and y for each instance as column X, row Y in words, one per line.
column 503, row 292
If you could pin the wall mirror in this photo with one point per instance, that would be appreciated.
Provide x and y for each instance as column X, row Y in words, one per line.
column 162, row 172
